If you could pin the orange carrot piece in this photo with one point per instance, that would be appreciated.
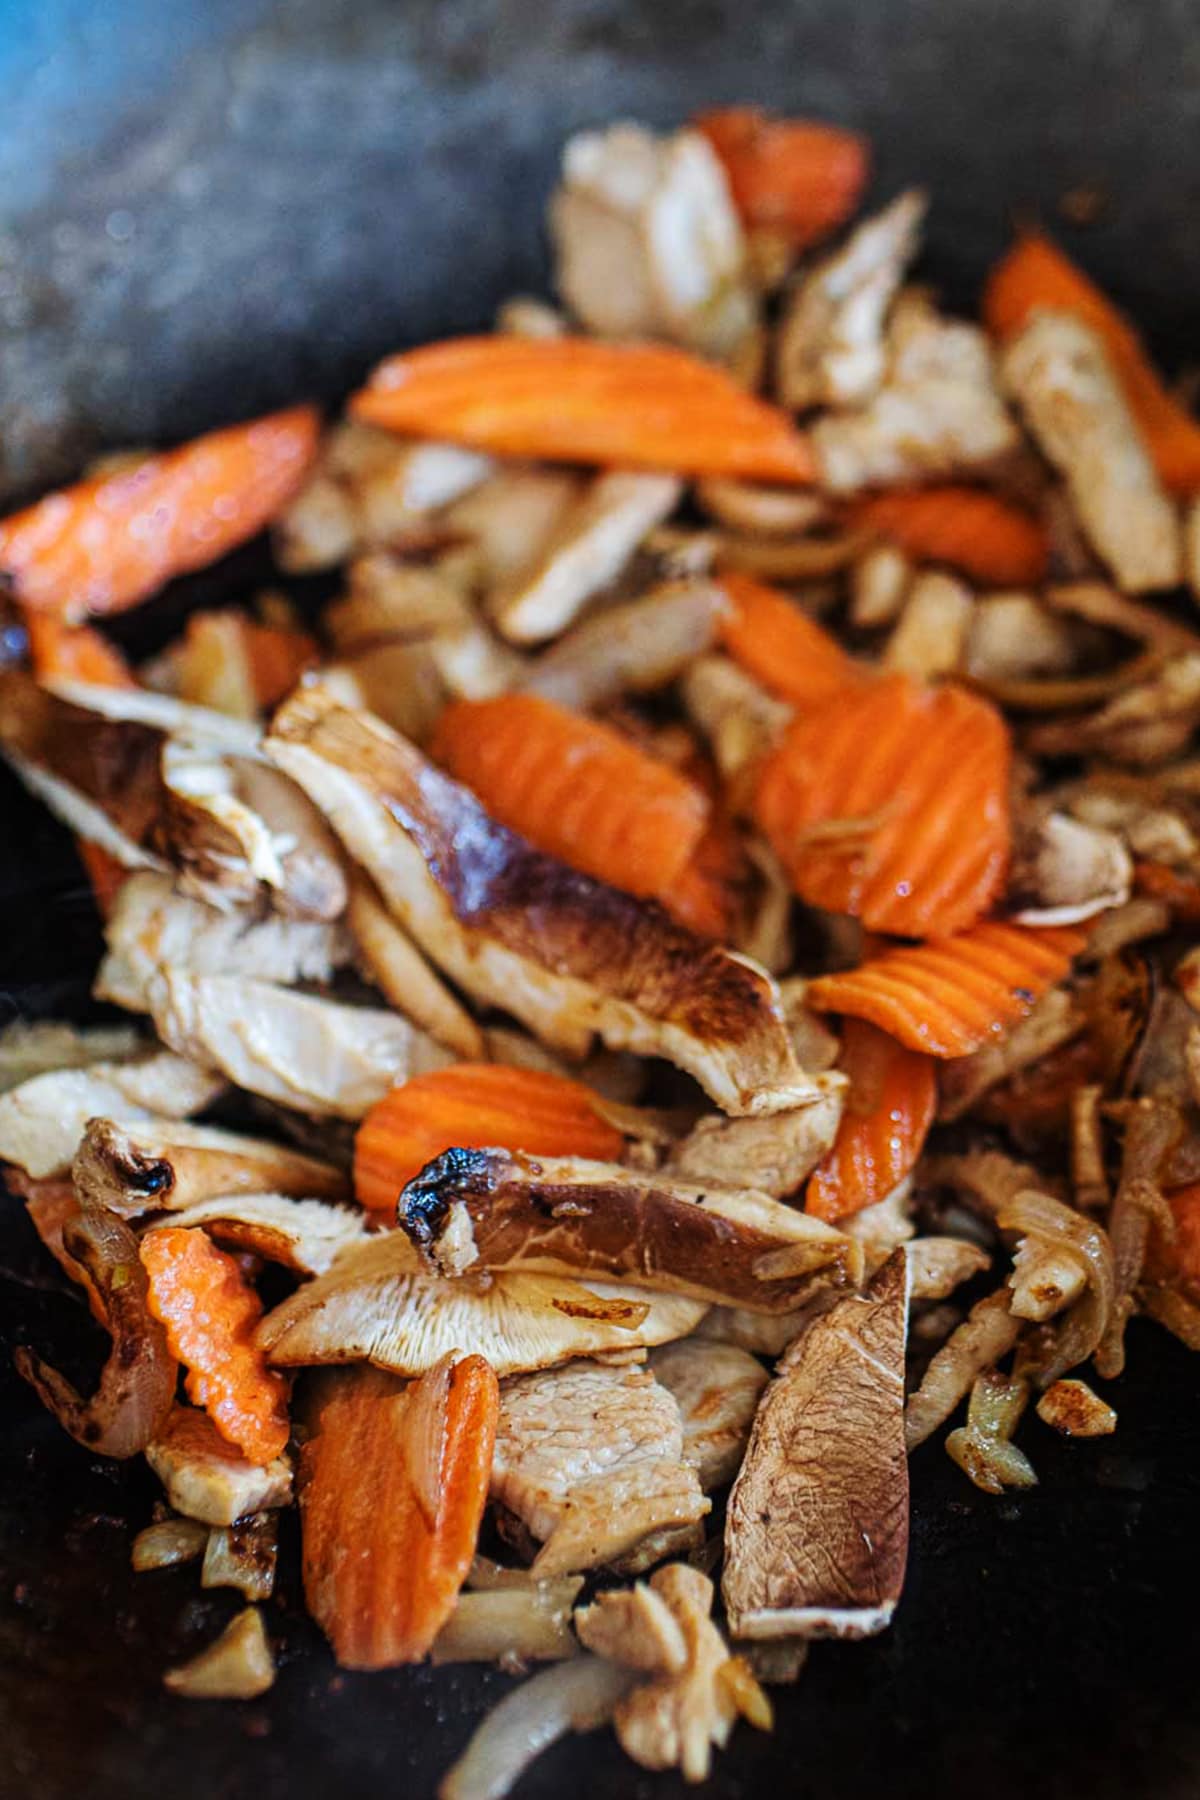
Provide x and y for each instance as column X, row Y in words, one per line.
column 781, row 646
column 61, row 652
column 237, row 666
column 110, row 541
column 575, row 788
column 889, row 1109
column 797, row 177
column 582, row 400
column 209, row 1312
column 1158, row 881
column 891, row 803
column 1036, row 273
column 474, row 1106
column 106, row 876
column 949, row 999
column 987, row 538
column 393, row 1483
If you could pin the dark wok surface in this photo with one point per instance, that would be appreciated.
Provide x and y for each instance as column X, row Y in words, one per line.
column 210, row 210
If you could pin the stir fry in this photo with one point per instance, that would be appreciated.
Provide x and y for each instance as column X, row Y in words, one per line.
column 666, row 992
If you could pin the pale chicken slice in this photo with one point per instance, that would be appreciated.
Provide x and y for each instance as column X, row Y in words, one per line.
column 43, row 1119
column 590, row 1460
column 717, row 1388
column 831, row 339
column 632, row 647
column 373, row 1305
column 306, row 1236
column 647, row 240
column 152, row 924
column 206, row 1478
column 1060, row 375
column 510, row 519
column 774, row 1154
column 162, row 1165
column 568, row 956
column 312, row 1054
column 816, row 1536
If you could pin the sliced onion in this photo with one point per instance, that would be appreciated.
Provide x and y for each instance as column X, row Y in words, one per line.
column 137, row 1383
column 1037, row 1215
column 526, row 1624
column 1172, row 1310
column 574, row 1696
column 1153, row 1128
column 170, row 1541
column 243, row 1556
column 238, row 1666
column 987, row 1333
column 983, row 1447
column 426, row 1404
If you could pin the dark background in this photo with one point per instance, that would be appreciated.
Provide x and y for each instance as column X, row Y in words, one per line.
column 207, row 210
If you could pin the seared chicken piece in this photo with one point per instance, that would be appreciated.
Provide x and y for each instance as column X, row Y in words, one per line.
column 206, row 1478
column 566, row 955
column 306, row 1236
column 816, row 1535
column 311, row 1054
column 1058, row 371
column 635, row 1627
column 43, row 1119
column 372, row 1305
column 930, row 637
column 717, row 1389
column 774, row 1154
column 630, row 648
column 496, row 1209
column 1014, row 637
column 159, row 1165
column 590, row 1459
column 831, row 339
column 647, row 241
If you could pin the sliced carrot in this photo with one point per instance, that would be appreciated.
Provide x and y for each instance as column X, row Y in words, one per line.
column 950, row 998
column 393, row 1483
column 889, row 1109
column 106, row 876
column 1160, row 882
column 474, row 1106
column 781, row 646
column 575, row 788
column 891, row 803
column 110, row 541
column 1036, row 273
column 581, row 400
column 61, row 652
column 986, row 537
column 237, row 666
column 797, row 177
column 210, row 1312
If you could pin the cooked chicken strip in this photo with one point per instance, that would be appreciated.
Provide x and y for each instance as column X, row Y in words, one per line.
column 306, row 1236
column 591, row 1460
column 206, row 1478
column 496, row 1209
column 816, row 1536
column 632, row 647
column 312, row 1054
column 1059, row 372
column 511, row 518
column 133, row 1168
column 773, row 1154
column 566, row 955
column 830, row 347
column 717, row 1389
column 930, row 637
column 42, row 1120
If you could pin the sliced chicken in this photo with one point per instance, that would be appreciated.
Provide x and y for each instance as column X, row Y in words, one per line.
column 206, row 1478
column 831, row 340
column 938, row 1265
column 566, row 955
column 1067, row 872
column 879, row 582
column 816, row 1536
column 590, row 548
column 510, row 519
column 930, row 637
column 30, row 1047
column 497, row 1209
column 43, row 1119
column 647, row 240
column 1014, row 637
column 306, row 1236
column 590, row 1460
column 152, row 925
column 774, row 1154
column 633, row 647
column 737, row 716
column 158, row 1165
column 374, row 1306
column 1058, row 371
column 717, row 1389
column 314, row 881
column 635, row 1627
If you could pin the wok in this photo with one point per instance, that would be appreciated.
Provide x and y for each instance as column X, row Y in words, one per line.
column 209, row 211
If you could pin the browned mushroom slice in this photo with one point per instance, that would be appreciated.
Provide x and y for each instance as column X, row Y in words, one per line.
column 568, row 956
column 208, row 1479
column 773, row 1154
column 43, row 1119
column 133, row 1168
column 717, row 1389
column 374, row 1306
column 306, row 1236
column 590, row 1459
column 495, row 1209
column 816, row 1535
column 1067, row 872
column 392, row 961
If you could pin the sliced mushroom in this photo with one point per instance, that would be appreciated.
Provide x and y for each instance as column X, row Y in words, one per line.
column 42, row 1120
column 306, row 1236
column 1060, row 374
column 963, row 1080
column 133, row 1168
column 590, row 1459
column 567, row 955
column 816, row 1536
column 208, row 1479
column 632, row 647
column 506, row 1210
column 717, row 1389
column 393, row 962
column 774, row 1154
column 1069, row 872
column 373, row 1305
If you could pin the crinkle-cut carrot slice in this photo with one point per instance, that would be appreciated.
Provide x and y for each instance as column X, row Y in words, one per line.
column 985, row 537
column 891, row 803
column 110, row 541
column 1035, row 274
column 781, row 646
column 580, row 400
column 474, row 1106
column 575, row 788
column 797, row 177
column 210, row 1312
column 393, row 1484
column 889, row 1109
column 949, row 999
